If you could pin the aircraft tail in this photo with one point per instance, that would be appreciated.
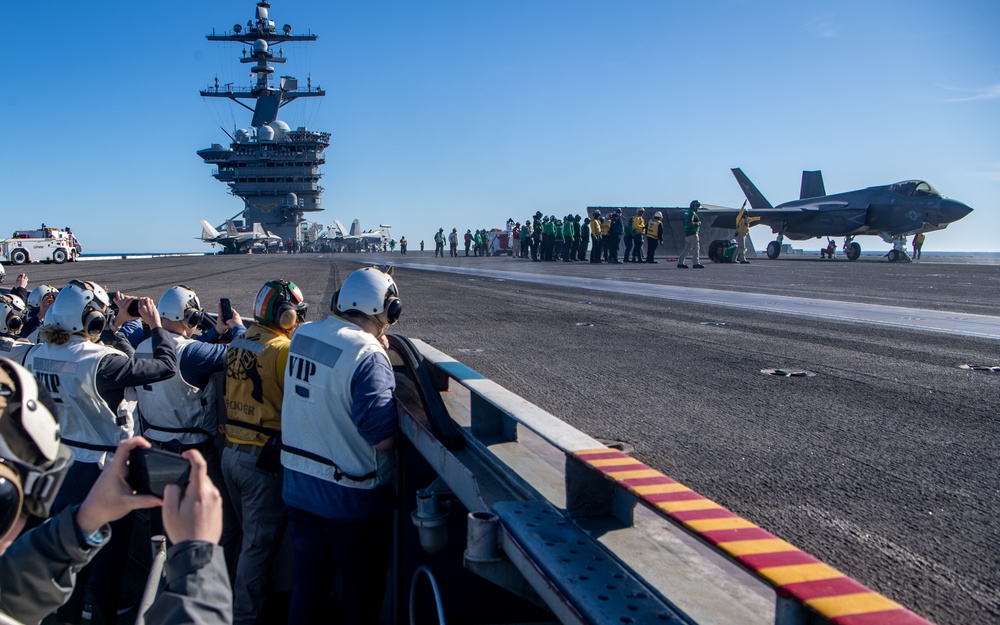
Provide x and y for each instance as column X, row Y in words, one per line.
column 812, row 185
column 756, row 198
column 355, row 228
column 258, row 231
column 231, row 228
column 207, row 231
column 340, row 228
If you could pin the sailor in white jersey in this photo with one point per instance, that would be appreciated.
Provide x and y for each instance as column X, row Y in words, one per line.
column 339, row 420
column 87, row 381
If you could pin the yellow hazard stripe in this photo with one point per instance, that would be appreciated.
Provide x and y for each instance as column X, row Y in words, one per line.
column 848, row 605
column 782, row 575
column 728, row 523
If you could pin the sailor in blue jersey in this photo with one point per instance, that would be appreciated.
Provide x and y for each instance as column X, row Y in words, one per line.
column 339, row 423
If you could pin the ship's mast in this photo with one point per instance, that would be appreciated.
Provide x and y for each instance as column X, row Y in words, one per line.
column 261, row 35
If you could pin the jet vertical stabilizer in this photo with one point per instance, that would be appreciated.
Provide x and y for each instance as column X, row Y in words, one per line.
column 355, row 228
column 756, row 198
column 812, row 185
column 207, row 231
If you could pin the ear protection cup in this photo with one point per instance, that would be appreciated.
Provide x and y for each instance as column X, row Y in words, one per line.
column 287, row 317
column 393, row 308
column 94, row 322
column 14, row 324
column 194, row 318
column 11, row 498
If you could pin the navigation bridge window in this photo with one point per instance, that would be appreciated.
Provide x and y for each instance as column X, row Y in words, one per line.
column 914, row 188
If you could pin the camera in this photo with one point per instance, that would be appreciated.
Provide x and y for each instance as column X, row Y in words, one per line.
column 150, row 471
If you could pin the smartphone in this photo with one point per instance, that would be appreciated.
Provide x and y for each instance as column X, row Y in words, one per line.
column 133, row 308
column 227, row 309
column 152, row 470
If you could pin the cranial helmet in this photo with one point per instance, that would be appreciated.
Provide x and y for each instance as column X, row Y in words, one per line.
column 181, row 304
column 38, row 294
column 695, row 204
column 280, row 302
column 658, row 215
column 33, row 463
column 80, row 307
column 641, row 210
column 370, row 292
column 11, row 314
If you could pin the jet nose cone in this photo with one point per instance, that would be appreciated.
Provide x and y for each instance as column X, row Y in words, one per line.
column 953, row 210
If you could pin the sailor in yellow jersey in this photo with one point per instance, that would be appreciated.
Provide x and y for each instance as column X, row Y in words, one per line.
column 255, row 384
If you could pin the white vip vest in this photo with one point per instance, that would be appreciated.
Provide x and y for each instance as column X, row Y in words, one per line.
column 173, row 409
column 318, row 437
column 15, row 349
column 69, row 372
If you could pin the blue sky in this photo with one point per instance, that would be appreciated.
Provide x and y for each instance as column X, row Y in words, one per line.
column 462, row 114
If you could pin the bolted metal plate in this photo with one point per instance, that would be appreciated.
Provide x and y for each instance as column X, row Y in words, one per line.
column 593, row 581
column 983, row 368
column 788, row 373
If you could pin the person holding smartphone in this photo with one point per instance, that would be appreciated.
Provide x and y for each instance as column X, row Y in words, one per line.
column 38, row 569
column 179, row 413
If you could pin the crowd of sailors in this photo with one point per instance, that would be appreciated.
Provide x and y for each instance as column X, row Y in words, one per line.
column 124, row 373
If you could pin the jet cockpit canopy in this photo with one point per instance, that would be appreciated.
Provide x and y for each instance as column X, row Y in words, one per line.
column 914, row 188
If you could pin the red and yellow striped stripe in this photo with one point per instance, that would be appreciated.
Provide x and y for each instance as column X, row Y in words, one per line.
column 791, row 571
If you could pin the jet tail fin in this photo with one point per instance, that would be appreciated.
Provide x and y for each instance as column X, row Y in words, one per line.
column 756, row 198
column 812, row 185
column 231, row 228
column 355, row 228
column 207, row 231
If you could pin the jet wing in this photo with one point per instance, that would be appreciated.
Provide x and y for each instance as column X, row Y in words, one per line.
column 776, row 217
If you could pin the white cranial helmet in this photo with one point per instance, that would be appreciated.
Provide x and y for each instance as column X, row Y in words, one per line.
column 38, row 294
column 80, row 307
column 11, row 314
column 179, row 304
column 370, row 292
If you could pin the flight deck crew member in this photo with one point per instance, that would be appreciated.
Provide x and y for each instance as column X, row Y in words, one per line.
column 439, row 243
column 638, row 234
column 255, row 385
column 568, row 239
column 584, row 230
column 88, row 381
column 179, row 414
column 525, row 236
column 692, row 225
column 548, row 237
column 402, row 245
column 615, row 230
column 340, row 418
column 654, row 236
column 743, row 223
column 536, row 236
column 606, row 238
column 468, row 240
column 918, row 242
column 453, row 242
column 596, row 226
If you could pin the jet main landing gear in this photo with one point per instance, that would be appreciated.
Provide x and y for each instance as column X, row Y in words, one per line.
column 852, row 249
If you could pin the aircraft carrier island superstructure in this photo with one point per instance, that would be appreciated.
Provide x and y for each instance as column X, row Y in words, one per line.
column 274, row 169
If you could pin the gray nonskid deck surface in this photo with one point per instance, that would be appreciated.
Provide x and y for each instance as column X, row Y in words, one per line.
column 883, row 464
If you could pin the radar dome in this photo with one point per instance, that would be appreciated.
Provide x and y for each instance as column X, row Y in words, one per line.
column 280, row 125
column 291, row 200
column 265, row 133
column 242, row 135
column 259, row 46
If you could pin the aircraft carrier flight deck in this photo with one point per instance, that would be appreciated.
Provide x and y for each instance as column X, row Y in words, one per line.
column 849, row 408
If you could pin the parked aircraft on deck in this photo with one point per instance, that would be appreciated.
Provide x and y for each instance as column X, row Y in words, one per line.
column 236, row 242
column 891, row 212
